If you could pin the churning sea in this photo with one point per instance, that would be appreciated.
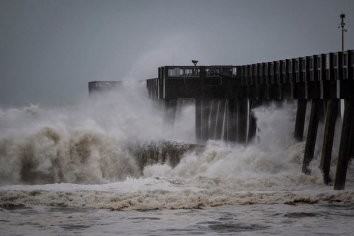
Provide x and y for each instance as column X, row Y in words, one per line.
column 71, row 171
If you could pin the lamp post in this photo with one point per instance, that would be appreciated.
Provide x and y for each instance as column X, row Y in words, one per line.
column 342, row 25
column 195, row 62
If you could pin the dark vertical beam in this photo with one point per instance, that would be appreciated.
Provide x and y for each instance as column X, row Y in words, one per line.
column 212, row 118
column 252, row 129
column 300, row 119
column 345, row 147
column 252, row 126
column 219, row 118
column 225, row 134
column 242, row 110
column 326, row 156
column 198, row 119
column 170, row 110
column 311, row 135
column 225, row 123
column 205, row 118
column 232, row 120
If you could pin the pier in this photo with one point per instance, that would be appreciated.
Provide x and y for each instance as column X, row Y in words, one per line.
column 226, row 95
column 102, row 86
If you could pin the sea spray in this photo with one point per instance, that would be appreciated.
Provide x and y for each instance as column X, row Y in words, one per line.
column 52, row 157
column 95, row 141
column 82, row 157
column 89, row 152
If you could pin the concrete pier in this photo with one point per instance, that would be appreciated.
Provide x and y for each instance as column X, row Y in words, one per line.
column 225, row 96
column 330, row 123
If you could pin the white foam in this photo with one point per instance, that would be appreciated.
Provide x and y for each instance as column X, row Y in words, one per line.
column 82, row 149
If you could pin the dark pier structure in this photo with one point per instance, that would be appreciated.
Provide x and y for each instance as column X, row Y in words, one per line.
column 96, row 87
column 225, row 96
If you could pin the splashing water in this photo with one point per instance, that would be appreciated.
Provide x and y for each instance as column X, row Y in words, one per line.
column 92, row 155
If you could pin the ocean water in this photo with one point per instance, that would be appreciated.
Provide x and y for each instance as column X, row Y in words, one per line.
column 258, row 219
column 71, row 171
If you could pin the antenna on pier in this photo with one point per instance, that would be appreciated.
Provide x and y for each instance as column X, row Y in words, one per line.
column 342, row 25
column 195, row 62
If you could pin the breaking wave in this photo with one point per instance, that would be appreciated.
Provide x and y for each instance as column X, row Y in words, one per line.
column 113, row 152
column 92, row 142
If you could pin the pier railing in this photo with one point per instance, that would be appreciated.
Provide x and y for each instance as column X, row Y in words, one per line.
column 322, row 76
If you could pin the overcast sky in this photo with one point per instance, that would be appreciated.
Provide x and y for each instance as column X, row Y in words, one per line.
column 50, row 49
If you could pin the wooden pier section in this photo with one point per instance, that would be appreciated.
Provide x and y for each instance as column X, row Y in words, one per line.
column 225, row 96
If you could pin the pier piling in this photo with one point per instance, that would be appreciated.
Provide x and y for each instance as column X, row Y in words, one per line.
column 346, row 143
column 300, row 119
column 311, row 135
column 242, row 118
column 330, row 123
column 198, row 119
column 225, row 96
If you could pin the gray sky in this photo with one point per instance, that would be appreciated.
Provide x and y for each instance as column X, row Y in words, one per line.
column 50, row 49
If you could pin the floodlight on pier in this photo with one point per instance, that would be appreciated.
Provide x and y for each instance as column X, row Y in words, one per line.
column 342, row 25
column 195, row 62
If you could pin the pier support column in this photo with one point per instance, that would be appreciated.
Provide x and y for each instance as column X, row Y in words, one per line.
column 330, row 123
column 252, row 130
column 220, row 119
column 198, row 119
column 202, row 113
column 206, row 108
column 242, row 120
column 345, row 147
column 300, row 119
column 232, row 121
column 213, row 118
column 311, row 135
column 170, row 110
